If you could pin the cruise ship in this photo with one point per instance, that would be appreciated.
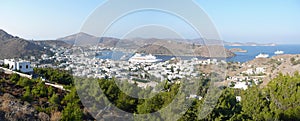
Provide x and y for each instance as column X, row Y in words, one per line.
column 139, row 58
column 261, row 55
column 278, row 52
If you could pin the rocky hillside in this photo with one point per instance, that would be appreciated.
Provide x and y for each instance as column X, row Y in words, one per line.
column 80, row 39
column 155, row 46
column 23, row 99
column 286, row 64
column 183, row 49
column 15, row 47
column 52, row 43
column 13, row 109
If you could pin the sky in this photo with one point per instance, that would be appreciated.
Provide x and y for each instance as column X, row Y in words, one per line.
column 262, row 21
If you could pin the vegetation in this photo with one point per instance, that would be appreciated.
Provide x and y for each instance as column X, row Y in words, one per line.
column 44, row 98
column 55, row 75
column 295, row 61
column 279, row 100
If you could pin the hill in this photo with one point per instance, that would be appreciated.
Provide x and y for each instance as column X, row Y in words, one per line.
column 177, row 47
column 80, row 39
column 52, row 43
column 15, row 47
column 183, row 49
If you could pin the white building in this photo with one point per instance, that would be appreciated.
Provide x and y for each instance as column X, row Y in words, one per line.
column 1, row 62
column 249, row 71
column 23, row 66
column 241, row 85
column 238, row 98
column 259, row 70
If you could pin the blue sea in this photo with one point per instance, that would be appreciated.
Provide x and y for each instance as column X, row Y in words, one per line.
column 255, row 50
column 240, row 57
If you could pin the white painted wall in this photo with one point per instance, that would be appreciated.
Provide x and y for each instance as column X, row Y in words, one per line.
column 23, row 66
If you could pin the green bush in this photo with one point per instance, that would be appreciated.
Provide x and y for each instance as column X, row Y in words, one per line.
column 72, row 112
column 55, row 75
column 14, row 78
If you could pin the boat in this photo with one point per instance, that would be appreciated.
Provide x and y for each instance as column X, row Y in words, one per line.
column 261, row 55
column 279, row 52
column 139, row 58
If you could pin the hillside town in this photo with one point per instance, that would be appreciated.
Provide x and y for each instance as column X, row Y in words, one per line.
column 84, row 63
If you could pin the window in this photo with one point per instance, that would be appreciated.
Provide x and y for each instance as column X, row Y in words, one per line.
column 26, row 66
column 20, row 67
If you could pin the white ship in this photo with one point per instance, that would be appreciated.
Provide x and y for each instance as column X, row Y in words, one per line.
column 279, row 52
column 139, row 58
column 261, row 55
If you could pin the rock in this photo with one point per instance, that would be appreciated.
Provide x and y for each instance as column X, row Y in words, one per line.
column 43, row 116
column 12, row 109
column 238, row 50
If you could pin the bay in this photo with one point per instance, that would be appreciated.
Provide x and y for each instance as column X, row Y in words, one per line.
column 252, row 51
column 255, row 50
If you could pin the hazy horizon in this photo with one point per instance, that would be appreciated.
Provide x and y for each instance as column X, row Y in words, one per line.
column 270, row 21
column 243, row 42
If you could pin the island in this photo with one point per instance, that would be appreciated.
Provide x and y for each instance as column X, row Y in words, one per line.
column 240, row 50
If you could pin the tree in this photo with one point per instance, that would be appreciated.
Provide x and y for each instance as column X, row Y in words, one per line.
column 71, row 97
column 55, row 75
column 255, row 105
column 54, row 100
column 25, row 82
column 27, row 95
column 284, row 94
column 226, row 107
column 40, row 90
column 14, row 78
column 72, row 112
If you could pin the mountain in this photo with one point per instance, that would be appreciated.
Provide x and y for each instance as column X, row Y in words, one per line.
column 178, row 47
column 183, row 49
column 5, row 36
column 52, row 43
column 80, row 39
column 15, row 47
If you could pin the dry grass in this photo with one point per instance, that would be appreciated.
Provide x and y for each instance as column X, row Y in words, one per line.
column 55, row 116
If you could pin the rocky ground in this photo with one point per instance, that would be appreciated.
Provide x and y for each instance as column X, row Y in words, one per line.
column 13, row 109
column 274, row 66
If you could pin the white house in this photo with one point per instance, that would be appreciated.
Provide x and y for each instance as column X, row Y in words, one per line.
column 18, row 65
column 259, row 70
column 238, row 98
column 249, row 71
column 241, row 85
column 1, row 62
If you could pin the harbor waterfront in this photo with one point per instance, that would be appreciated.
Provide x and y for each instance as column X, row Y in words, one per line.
column 148, row 70
column 252, row 52
column 150, row 60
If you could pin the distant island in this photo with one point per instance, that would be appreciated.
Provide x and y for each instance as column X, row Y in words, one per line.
column 240, row 50
column 248, row 44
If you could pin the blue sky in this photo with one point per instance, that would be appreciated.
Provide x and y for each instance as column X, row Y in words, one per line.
column 260, row 21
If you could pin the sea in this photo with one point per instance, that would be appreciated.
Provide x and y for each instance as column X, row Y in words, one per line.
column 255, row 50
column 252, row 51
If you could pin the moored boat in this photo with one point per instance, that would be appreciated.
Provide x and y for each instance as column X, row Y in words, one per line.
column 261, row 55
column 279, row 52
column 139, row 58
